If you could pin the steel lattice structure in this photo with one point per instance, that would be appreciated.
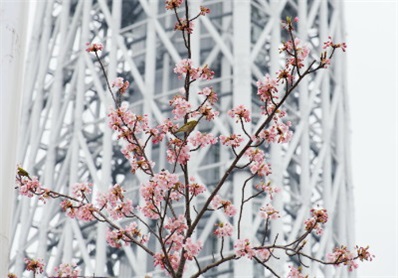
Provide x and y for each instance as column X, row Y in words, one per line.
column 65, row 137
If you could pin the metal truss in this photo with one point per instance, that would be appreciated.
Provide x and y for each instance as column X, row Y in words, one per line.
column 65, row 138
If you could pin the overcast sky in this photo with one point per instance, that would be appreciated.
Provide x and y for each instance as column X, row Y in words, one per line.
column 372, row 86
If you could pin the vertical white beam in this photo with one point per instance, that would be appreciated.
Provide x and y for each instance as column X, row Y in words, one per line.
column 101, row 245
column 13, row 22
column 242, row 95
column 304, row 105
column 326, row 134
column 276, row 149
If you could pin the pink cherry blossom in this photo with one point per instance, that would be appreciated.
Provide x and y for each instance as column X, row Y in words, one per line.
column 263, row 254
column 341, row 255
column 120, row 84
column 183, row 67
column 199, row 139
column 195, row 189
column 267, row 88
column 177, row 152
column 363, row 253
column 123, row 209
column 27, row 187
column 159, row 260
column 176, row 225
column 223, row 229
column 94, row 47
column 66, row 270
column 181, row 107
column 227, row 206
column 268, row 212
column 210, row 94
column 192, row 248
column 240, row 112
column 234, row 140
column 205, row 73
column 319, row 216
column 173, row 4
column 266, row 187
column 80, row 190
column 85, row 212
column 37, row 266
column 208, row 112
column 295, row 273
column 333, row 45
column 69, row 208
column 204, row 10
column 243, row 248
column 278, row 132
column 183, row 25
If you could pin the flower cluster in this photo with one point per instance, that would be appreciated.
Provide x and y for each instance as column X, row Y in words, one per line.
column 270, row 190
column 181, row 107
column 268, row 212
column 160, row 187
column 341, row 255
column 199, row 139
column 267, row 88
column 120, row 84
column 297, row 52
column 172, row 4
column 131, row 233
column 66, row 270
column 244, row 248
column 319, row 216
column 333, row 45
column 185, row 67
column 240, row 113
column 94, row 47
column 278, row 131
column 227, row 206
column 184, row 25
column 295, row 273
column 234, row 140
column 258, row 165
column 288, row 23
column 223, row 229
column 36, row 266
column 211, row 95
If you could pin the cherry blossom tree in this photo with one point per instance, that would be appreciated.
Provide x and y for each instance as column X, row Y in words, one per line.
column 156, row 217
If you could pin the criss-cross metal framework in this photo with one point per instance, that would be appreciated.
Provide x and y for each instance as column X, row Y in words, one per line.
column 65, row 139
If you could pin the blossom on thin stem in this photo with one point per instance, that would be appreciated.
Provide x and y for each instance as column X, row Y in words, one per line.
column 120, row 84
column 341, row 255
column 330, row 43
column 295, row 273
column 223, row 229
column 94, row 47
column 37, row 266
column 172, row 4
column 227, row 206
column 319, row 216
column 66, row 270
column 243, row 248
column 268, row 212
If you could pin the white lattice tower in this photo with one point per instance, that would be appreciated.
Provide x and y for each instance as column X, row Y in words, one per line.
column 65, row 138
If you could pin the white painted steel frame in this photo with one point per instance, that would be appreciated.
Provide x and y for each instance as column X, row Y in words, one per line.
column 65, row 138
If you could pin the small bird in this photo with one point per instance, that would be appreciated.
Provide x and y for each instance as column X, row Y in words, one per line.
column 188, row 127
column 22, row 172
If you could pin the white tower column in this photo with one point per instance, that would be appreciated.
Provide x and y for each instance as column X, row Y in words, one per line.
column 13, row 22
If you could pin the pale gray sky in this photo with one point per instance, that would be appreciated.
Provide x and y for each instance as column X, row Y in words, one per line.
column 372, row 86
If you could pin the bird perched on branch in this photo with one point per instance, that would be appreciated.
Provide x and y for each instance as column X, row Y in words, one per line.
column 22, row 172
column 188, row 127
